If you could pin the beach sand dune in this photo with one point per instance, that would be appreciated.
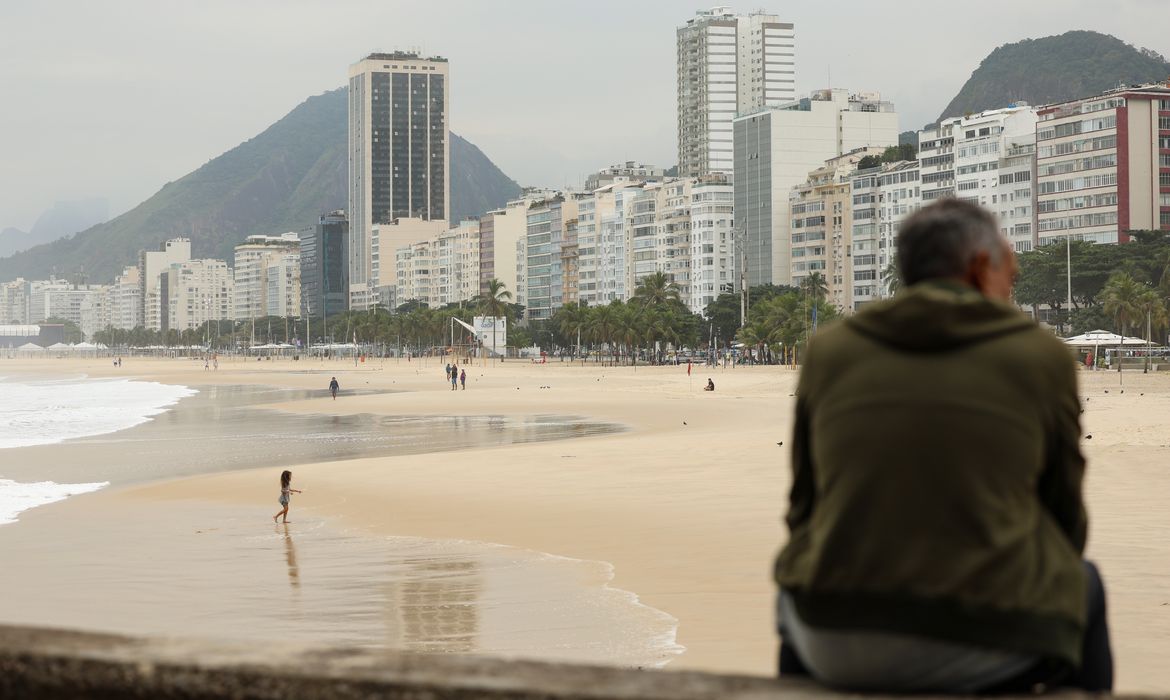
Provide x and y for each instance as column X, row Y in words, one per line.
column 686, row 504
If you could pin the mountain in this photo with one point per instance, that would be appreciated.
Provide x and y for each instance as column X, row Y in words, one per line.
column 1054, row 69
column 62, row 219
column 280, row 180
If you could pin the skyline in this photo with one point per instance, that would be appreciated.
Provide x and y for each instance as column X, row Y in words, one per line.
column 546, row 104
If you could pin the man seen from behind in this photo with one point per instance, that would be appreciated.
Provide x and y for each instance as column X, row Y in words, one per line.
column 936, row 520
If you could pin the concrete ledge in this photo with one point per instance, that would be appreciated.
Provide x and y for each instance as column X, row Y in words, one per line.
column 40, row 664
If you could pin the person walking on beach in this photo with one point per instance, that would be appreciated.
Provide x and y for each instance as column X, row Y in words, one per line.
column 454, row 377
column 333, row 387
column 286, row 492
column 448, row 371
column 936, row 518
column 463, row 379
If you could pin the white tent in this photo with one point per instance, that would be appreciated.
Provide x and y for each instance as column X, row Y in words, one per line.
column 60, row 346
column 1102, row 338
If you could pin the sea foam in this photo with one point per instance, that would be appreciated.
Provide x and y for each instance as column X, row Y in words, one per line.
column 43, row 412
column 16, row 497
column 50, row 411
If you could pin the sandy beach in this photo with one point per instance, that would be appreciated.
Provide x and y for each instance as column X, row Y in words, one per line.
column 682, row 506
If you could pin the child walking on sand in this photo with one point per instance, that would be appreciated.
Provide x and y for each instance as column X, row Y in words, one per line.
column 285, row 492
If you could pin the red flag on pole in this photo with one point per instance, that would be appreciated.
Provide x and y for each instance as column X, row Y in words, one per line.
column 688, row 368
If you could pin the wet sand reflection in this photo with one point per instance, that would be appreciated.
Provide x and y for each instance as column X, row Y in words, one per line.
column 434, row 607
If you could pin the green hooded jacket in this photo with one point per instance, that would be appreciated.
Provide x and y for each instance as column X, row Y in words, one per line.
column 937, row 477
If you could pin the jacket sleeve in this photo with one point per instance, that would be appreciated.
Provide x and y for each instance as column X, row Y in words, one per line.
column 1060, row 483
column 802, row 495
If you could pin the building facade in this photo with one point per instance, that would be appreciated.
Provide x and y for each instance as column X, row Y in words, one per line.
column 1103, row 166
column 151, row 265
column 14, row 302
column 398, row 155
column 728, row 64
column 197, row 291
column 325, row 267
column 775, row 150
column 264, row 267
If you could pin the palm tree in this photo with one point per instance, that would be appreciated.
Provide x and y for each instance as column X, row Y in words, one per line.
column 602, row 323
column 1120, row 299
column 816, row 285
column 571, row 321
column 656, row 290
column 494, row 303
column 892, row 278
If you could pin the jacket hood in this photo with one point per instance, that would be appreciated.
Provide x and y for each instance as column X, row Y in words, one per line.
column 936, row 316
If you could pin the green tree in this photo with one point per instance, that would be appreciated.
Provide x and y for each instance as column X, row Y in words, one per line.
column 1121, row 300
column 656, row 290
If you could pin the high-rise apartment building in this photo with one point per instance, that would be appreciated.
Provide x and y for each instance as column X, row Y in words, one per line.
column 1103, row 166
column 195, row 292
column 398, row 155
column 126, row 300
column 14, row 302
column 775, row 150
column 266, row 267
column 151, row 264
column 325, row 267
column 544, row 288
column 728, row 64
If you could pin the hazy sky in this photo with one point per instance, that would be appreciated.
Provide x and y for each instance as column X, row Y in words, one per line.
column 113, row 98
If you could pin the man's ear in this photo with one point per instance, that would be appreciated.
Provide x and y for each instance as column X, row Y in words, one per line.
column 978, row 270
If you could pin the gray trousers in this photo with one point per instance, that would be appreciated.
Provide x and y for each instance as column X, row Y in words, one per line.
column 867, row 660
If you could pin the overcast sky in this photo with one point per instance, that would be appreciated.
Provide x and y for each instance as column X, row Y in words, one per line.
column 113, row 98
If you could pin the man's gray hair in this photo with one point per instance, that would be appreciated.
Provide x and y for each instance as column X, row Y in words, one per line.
column 942, row 239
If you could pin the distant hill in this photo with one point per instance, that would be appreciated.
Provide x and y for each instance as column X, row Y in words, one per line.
column 61, row 219
column 280, row 180
column 1054, row 69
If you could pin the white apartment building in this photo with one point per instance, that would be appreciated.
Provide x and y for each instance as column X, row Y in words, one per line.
column 776, row 149
column 988, row 159
column 457, row 258
column 443, row 269
column 869, row 247
column 1015, row 195
column 198, row 291
column 630, row 171
column 1103, row 166
column 899, row 196
column 14, row 302
column 413, row 264
column 728, row 64
column 603, row 265
column 151, row 264
column 283, row 277
column 126, row 300
column 398, row 153
column 97, row 311
column 388, row 238
column 714, row 268
column 57, row 299
column 255, row 258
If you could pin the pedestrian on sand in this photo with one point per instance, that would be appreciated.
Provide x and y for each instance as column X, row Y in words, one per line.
column 936, row 517
column 333, row 387
column 463, row 378
column 286, row 492
column 454, row 377
column 448, row 371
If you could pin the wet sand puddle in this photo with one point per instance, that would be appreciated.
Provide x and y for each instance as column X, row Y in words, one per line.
column 226, row 427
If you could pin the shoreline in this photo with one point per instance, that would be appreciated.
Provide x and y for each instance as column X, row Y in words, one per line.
column 685, row 505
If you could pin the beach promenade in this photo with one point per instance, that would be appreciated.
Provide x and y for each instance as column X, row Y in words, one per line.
column 685, row 503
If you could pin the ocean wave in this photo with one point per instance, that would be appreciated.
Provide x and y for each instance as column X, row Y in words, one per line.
column 44, row 412
column 16, row 497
